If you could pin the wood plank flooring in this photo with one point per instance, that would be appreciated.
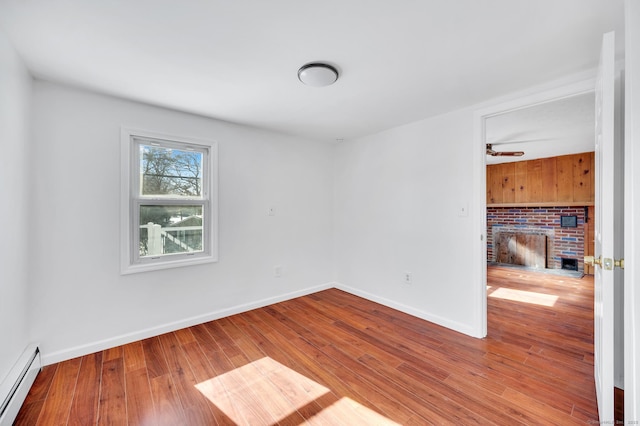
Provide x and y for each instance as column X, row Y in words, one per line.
column 332, row 358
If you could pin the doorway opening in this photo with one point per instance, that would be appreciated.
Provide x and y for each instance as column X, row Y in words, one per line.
column 509, row 128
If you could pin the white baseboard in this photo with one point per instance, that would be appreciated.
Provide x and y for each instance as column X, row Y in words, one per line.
column 69, row 353
column 453, row 325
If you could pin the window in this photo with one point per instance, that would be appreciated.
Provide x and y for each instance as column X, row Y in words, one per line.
column 169, row 201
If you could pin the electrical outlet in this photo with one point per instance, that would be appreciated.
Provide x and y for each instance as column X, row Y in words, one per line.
column 408, row 278
column 277, row 271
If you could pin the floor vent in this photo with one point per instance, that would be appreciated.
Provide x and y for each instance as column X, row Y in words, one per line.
column 14, row 389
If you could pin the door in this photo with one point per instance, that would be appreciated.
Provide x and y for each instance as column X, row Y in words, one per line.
column 632, row 212
column 604, row 231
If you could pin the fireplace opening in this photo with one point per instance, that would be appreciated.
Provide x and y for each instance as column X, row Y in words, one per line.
column 517, row 248
column 569, row 264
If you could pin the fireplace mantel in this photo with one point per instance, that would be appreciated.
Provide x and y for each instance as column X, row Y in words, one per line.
column 539, row 204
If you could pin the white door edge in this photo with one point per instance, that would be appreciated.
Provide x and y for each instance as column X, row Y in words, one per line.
column 632, row 213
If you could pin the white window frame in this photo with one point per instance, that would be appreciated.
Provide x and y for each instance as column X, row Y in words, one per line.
column 131, row 199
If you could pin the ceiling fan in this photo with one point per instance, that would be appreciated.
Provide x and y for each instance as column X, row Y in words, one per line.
column 493, row 153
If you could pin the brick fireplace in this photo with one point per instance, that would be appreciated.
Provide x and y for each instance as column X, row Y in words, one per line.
column 565, row 246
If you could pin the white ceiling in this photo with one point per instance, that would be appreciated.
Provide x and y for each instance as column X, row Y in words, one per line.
column 565, row 126
column 237, row 60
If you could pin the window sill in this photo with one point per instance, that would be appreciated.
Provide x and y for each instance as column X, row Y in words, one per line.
column 164, row 264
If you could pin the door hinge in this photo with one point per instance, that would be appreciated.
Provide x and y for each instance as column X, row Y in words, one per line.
column 607, row 263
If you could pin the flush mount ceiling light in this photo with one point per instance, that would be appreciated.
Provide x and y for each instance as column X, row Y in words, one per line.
column 317, row 74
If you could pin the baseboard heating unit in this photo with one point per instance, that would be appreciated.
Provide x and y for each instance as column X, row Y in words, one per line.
column 14, row 389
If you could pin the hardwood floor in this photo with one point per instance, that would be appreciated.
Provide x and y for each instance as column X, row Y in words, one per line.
column 333, row 358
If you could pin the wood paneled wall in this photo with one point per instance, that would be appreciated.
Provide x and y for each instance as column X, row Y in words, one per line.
column 566, row 180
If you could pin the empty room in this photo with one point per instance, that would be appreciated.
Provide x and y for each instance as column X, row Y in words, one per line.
column 289, row 212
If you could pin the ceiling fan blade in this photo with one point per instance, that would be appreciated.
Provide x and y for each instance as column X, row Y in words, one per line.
column 493, row 153
column 507, row 153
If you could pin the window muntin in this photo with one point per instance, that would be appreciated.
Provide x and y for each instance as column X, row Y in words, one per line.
column 170, row 210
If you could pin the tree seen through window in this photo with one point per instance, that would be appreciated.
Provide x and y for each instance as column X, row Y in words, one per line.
column 167, row 171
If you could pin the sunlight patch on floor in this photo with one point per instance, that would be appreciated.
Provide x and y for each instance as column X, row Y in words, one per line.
column 348, row 411
column 263, row 389
column 524, row 296
column 265, row 392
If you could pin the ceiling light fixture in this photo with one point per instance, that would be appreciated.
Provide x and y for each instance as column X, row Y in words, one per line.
column 317, row 74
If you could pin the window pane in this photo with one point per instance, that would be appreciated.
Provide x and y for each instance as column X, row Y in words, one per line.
column 170, row 229
column 172, row 172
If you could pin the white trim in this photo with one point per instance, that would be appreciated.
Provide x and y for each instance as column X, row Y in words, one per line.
column 127, row 264
column 582, row 79
column 77, row 351
column 69, row 353
column 479, row 206
column 538, row 98
column 453, row 325
column 479, row 202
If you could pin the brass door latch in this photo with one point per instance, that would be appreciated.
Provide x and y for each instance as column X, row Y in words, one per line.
column 606, row 263
column 590, row 260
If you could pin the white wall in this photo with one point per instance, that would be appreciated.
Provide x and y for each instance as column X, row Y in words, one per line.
column 396, row 201
column 81, row 302
column 15, row 115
